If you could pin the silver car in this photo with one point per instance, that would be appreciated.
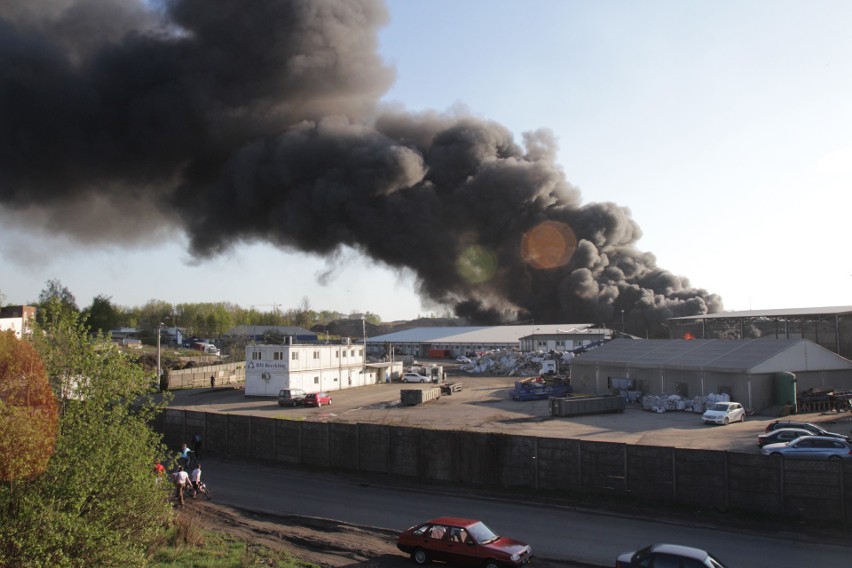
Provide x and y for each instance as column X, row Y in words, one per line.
column 811, row 448
column 724, row 413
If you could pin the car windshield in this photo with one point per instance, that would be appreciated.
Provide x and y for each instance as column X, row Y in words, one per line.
column 719, row 407
column 481, row 533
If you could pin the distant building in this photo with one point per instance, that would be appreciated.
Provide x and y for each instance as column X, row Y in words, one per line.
column 751, row 371
column 263, row 333
column 17, row 318
column 311, row 367
column 454, row 341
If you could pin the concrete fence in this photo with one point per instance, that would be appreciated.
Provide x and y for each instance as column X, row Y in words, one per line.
column 199, row 377
column 709, row 479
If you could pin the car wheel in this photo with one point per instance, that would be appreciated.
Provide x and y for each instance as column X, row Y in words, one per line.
column 420, row 556
column 422, row 381
column 834, row 458
column 726, row 421
column 490, row 563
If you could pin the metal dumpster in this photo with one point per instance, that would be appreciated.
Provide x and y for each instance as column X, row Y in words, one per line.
column 576, row 405
column 413, row 397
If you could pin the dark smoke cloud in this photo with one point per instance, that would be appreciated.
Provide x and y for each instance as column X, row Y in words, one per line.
column 244, row 121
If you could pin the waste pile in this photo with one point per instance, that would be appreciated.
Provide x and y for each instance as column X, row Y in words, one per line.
column 673, row 402
column 514, row 363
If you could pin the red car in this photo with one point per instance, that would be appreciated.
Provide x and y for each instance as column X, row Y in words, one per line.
column 317, row 399
column 462, row 541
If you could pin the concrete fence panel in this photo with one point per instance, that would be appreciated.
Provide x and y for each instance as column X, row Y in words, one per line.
column 315, row 444
column 439, row 455
column 557, row 463
column 239, row 436
column 518, row 462
column 343, row 445
column 263, row 438
column 288, row 441
column 813, row 489
column 404, row 451
column 373, row 448
column 650, row 472
column 216, row 426
column 603, row 467
column 754, row 483
column 701, row 478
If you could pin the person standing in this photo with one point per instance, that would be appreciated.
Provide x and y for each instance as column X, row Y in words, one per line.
column 195, row 477
column 181, row 478
column 196, row 445
column 212, row 381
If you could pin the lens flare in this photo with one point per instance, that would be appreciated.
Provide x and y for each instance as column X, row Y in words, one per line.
column 476, row 264
column 548, row 245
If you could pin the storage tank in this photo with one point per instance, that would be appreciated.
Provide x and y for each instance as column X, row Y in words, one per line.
column 784, row 391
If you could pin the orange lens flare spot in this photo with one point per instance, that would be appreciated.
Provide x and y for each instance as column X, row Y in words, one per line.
column 548, row 245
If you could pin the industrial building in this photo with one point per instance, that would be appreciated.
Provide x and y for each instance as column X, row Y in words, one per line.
column 445, row 342
column 312, row 367
column 754, row 372
column 830, row 327
column 19, row 319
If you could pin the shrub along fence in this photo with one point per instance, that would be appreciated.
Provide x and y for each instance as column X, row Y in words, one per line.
column 813, row 490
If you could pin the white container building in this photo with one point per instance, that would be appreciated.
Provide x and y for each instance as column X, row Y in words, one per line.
column 311, row 367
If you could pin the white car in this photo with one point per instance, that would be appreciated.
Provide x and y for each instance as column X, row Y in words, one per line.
column 414, row 378
column 462, row 359
column 724, row 413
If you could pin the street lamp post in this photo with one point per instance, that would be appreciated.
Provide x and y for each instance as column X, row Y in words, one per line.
column 159, row 366
column 622, row 322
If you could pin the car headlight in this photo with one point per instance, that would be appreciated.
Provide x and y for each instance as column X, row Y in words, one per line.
column 515, row 557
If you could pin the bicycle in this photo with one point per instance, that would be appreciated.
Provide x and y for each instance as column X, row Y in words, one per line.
column 202, row 488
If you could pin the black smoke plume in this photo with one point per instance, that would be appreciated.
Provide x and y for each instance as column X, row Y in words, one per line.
column 240, row 121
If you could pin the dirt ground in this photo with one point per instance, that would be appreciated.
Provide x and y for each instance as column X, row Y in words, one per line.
column 320, row 542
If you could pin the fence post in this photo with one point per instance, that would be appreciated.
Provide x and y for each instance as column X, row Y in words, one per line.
column 674, row 475
column 535, row 457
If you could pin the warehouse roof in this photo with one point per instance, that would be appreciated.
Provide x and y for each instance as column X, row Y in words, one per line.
column 485, row 335
column 780, row 313
column 731, row 355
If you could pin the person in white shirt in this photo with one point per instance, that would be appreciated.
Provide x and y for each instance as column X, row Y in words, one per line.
column 181, row 479
column 195, row 477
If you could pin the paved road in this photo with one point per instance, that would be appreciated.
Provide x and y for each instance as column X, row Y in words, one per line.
column 554, row 532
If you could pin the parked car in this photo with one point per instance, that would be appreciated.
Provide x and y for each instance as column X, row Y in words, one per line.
column 811, row 448
column 414, row 378
column 812, row 428
column 724, row 413
column 317, row 399
column 291, row 397
column 462, row 541
column 782, row 435
column 462, row 359
column 673, row 555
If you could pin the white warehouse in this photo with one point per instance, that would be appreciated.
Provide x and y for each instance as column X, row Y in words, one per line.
column 310, row 367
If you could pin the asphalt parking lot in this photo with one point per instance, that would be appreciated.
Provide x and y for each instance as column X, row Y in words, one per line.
column 484, row 405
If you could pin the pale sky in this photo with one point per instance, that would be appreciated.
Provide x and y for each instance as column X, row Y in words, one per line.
column 725, row 127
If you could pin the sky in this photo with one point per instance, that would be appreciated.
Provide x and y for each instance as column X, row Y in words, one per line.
column 724, row 127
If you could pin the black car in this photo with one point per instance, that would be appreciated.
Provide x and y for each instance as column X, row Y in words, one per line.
column 812, row 428
column 291, row 397
column 782, row 435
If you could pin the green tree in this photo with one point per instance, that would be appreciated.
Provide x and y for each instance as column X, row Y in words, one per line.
column 55, row 297
column 102, row 315
column 97, row 503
